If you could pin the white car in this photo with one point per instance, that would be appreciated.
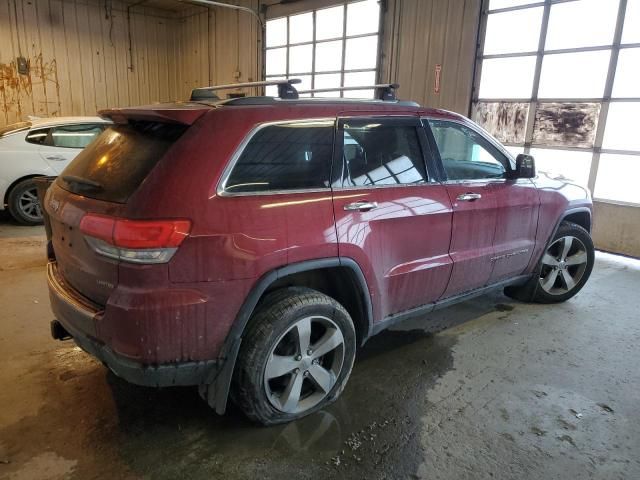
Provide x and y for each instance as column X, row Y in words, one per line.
column 39, row 147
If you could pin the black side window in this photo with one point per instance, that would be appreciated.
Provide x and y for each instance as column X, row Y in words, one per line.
column 288, row 156
column 381, row 152
column 465, row 154
column 74, row 136
column 39, row 137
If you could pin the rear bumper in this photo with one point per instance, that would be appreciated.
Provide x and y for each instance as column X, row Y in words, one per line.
column 78, row 317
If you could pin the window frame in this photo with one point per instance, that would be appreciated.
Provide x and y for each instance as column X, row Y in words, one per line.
column 410, row 120
column 226, row 173
column 617, row 44
column 342, row 71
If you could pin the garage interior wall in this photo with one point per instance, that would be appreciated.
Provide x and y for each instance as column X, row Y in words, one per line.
column 86, row 55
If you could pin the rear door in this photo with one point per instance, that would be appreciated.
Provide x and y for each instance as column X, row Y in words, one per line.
column 64, row 142
column 470, row 168
column 392, row 217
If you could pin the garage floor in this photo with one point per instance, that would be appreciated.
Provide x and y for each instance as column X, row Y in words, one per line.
column 509, row 391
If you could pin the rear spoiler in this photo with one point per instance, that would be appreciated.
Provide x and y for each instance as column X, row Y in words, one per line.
column 165, row 113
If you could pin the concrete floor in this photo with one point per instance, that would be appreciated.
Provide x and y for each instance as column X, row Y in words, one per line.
column 509, row 390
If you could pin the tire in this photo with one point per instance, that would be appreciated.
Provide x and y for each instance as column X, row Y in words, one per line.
column 563, row 270
column 24, row 206
column 272, row 345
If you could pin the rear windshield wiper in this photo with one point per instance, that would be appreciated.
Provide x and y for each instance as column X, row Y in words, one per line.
column 82, row 182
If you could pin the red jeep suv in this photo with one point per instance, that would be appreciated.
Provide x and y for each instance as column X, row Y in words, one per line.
column 250, row 245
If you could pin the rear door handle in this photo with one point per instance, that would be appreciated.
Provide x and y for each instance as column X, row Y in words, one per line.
column 469, row 197
column 360, row 206
column 56, row 157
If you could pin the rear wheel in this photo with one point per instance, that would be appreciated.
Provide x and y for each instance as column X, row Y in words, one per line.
column 24, row 205
column 295, row 358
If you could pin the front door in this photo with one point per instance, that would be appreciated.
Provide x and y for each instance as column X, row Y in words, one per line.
column 65, row 142
column 391, row 216
column 471, row 165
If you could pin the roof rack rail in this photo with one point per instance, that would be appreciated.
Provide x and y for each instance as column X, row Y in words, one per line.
column 286, row 90
column 383, row 91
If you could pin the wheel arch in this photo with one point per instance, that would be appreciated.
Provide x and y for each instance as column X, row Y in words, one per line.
column 336, row 277
column 579, row 216
column 7, row 192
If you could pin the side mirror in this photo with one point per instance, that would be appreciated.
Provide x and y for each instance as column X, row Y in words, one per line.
column 525, row 167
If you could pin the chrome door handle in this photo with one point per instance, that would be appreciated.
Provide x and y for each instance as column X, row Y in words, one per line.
column 469, row 197
column 360, row 206
column 56, row 157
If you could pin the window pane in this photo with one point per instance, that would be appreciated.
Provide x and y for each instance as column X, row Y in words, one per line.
column 465, row 154
column 495, row 4
column 361, row 53
column 378, row 154
column 512, row 32
column 360, row 79
column 618, row 178
column 507, row 77
column 505, row 121
column 285, row 157
column 574, row 75
column 328, row 56
column 300, row 59
column 515, row 151
column 277, row 61
column 75, row 136
column 621, row 131
column 583, row 23
column 631, row 32
column 359, row 93
column 329, row 80
column 276, row 32
column 329, row 23
column 570, row 165
column 301, row 28
column 37, row 136
column 566, row 124
column 627, row 81
column 363, row 17
column 332, row 94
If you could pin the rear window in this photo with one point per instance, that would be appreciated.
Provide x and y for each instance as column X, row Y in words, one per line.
column 13, row 128
column 113, row 166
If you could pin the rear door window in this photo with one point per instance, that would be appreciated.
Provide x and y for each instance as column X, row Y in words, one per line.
column 74, row 136
column 380, row 151
column 286, row 156
column 38, row 136
column 113, row 166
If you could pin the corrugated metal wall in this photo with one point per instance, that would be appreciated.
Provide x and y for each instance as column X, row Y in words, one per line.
column 420, row 34
column 80, row 60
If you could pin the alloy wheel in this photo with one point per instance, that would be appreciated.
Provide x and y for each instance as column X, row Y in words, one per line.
column 30, row 205
column 563, row 265
column 304, row 364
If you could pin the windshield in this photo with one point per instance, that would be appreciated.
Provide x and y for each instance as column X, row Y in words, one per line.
column 13, row 128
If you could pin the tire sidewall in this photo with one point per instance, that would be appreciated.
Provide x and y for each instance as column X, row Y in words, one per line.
column 254, row 356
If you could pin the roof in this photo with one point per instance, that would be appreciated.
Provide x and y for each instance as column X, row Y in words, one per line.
column 45, row 122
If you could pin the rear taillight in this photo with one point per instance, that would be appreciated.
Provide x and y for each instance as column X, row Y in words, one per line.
column 137, row 241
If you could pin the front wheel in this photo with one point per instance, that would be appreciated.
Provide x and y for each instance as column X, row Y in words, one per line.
column 566, row 264
column 296, row 357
